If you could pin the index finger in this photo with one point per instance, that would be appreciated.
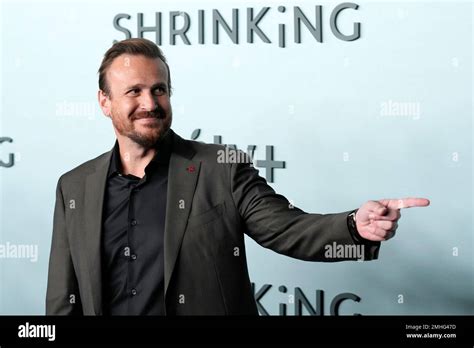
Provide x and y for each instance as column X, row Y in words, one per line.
column 405, row 203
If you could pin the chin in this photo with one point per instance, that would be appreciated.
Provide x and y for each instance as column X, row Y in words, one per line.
column 150, row 137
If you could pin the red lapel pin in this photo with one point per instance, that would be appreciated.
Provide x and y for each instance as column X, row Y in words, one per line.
column 191, row 169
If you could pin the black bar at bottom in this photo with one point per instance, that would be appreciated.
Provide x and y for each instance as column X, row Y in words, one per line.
column 408, row 330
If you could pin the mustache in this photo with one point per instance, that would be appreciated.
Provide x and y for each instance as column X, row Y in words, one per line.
column 159, row 114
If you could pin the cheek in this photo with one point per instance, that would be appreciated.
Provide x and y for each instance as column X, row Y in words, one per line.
column 124, row 108
column 165, row 104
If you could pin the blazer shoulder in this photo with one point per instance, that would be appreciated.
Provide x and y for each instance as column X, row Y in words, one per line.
column 196, row 150
column 81, row 171
column 215, row 156
column 204, row 150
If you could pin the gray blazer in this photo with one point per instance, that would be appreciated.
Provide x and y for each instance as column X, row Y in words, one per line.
column 210, row 206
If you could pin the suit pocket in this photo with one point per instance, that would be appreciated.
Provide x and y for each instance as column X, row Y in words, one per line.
column 207, row 216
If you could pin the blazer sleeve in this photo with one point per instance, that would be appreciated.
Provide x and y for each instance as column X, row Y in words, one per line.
column 62, row 294
column 275, row 224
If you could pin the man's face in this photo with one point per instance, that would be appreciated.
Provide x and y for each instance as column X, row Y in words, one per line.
column 139, row 100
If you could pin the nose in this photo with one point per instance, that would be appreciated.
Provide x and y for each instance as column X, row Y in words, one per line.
column 148, row 102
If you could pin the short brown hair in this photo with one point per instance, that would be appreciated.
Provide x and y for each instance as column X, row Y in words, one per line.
column 135, row 46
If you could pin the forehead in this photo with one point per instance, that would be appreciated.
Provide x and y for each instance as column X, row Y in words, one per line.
column 129, row 69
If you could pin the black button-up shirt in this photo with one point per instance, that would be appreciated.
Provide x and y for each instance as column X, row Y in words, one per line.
column 133, row 236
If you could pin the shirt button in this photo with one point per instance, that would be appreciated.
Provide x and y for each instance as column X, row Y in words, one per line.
column 134, row 257
column 134, row 222
column 134, row 292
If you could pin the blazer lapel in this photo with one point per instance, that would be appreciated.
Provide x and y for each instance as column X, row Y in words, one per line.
column 182, row 179
column 94, row 198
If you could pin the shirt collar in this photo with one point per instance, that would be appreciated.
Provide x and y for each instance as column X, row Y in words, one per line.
column 163, row 146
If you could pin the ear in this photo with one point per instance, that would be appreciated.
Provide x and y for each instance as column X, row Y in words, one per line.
column 104, row 102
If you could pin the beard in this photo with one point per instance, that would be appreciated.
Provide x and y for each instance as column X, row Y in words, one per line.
column 154, row 130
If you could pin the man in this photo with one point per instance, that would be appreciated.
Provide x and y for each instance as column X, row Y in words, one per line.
column 156, row 225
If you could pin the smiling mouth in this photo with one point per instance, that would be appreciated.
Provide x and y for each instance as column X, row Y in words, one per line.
column 156, row 116
column 147, row 118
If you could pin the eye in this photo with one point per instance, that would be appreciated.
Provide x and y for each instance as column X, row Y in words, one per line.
column 134, row 91
column 159, row 91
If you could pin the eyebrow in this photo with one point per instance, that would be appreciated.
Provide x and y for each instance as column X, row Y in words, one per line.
column 140, row 85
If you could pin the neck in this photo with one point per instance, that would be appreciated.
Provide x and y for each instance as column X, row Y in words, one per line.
column 134, row 157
